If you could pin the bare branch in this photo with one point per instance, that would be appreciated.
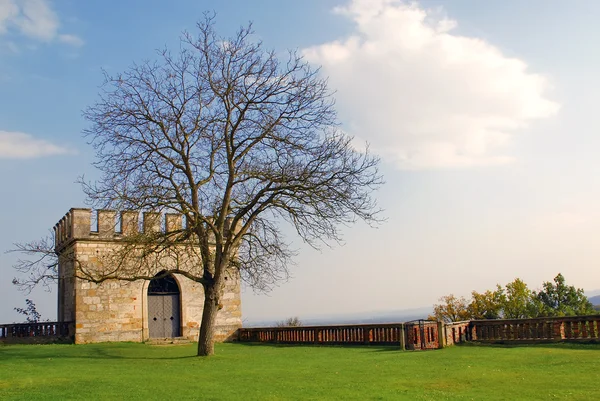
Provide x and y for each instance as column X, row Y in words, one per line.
column 37, row 266
column 239, row 142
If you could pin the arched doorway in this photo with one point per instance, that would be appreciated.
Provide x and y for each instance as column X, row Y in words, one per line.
column 164, row 319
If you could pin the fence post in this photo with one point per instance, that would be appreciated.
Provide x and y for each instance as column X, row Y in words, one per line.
column 402, row 337
column 366, row 335
column 441, row 329
column 558, row 327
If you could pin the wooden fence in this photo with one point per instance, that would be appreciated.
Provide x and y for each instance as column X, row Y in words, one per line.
column 423, row 335
column 36, row 333
column 547, row 329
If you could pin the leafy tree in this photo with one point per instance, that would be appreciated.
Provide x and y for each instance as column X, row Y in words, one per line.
column 516, row 300
column 487, row 305
column 228, row 135
column 559, row 299
column 451, row 309
column 30, row 312
column 536, row 307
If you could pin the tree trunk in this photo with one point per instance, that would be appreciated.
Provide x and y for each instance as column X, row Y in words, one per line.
column 206, row 343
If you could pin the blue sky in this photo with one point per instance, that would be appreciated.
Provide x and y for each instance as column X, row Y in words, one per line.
column 484, row 114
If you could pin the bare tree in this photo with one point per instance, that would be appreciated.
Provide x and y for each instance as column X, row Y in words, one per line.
column 289, row 322
column 238, row 142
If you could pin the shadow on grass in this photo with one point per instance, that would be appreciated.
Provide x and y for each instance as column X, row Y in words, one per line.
column 581, row 345
column 373, row 348
column 131, row 351
column 139, row 351
column 595, row 346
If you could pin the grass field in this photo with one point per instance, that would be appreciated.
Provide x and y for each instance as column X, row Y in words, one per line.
column 257, row 372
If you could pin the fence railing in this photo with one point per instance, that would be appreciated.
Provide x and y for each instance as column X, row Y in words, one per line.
column 413, row 336
column 43, row 332
column 571, row 328
column 388, row 334
column 410, row 335
column 430, row 335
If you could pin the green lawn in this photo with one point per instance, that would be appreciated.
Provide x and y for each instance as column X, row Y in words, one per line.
column 259, row 372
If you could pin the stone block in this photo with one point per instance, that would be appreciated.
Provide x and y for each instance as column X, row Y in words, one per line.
column 129, row 223
column 151, row 222
column 173, row 222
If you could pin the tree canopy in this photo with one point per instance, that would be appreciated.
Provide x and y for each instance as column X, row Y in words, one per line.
column 240, row 143
column 516, row 301
column 556, row 298
column 487, row 305
column 451, row 309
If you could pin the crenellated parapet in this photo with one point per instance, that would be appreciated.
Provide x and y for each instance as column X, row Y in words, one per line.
column 77, row 225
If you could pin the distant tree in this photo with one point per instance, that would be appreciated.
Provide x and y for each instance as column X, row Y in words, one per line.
column 487, row 305
column 516, row 300
column 30, row 312
column 290, row 322
column 451, row 309
column 559, row 299
column 225, row 133
column 536, row 307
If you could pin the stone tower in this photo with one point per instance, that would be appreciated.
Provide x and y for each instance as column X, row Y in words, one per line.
column 115, row 310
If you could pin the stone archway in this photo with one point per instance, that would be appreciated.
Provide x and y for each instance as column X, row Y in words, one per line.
column 164, row 299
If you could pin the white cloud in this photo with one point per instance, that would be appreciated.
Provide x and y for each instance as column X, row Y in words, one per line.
column 8, row 12
column 423, row 96
column 70, row 40
column 37, row 20
column 34, row 19
column 17, row 145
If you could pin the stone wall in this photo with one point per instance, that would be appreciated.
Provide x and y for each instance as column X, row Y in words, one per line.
column 36, row 333
column 457, row 332
column 117, row 310
column 66, row 288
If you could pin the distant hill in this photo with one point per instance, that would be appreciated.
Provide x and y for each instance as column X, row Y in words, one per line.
column 595, row 300
column 393, row 316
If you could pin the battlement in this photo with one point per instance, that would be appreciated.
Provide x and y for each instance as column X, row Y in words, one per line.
column 77, row 224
